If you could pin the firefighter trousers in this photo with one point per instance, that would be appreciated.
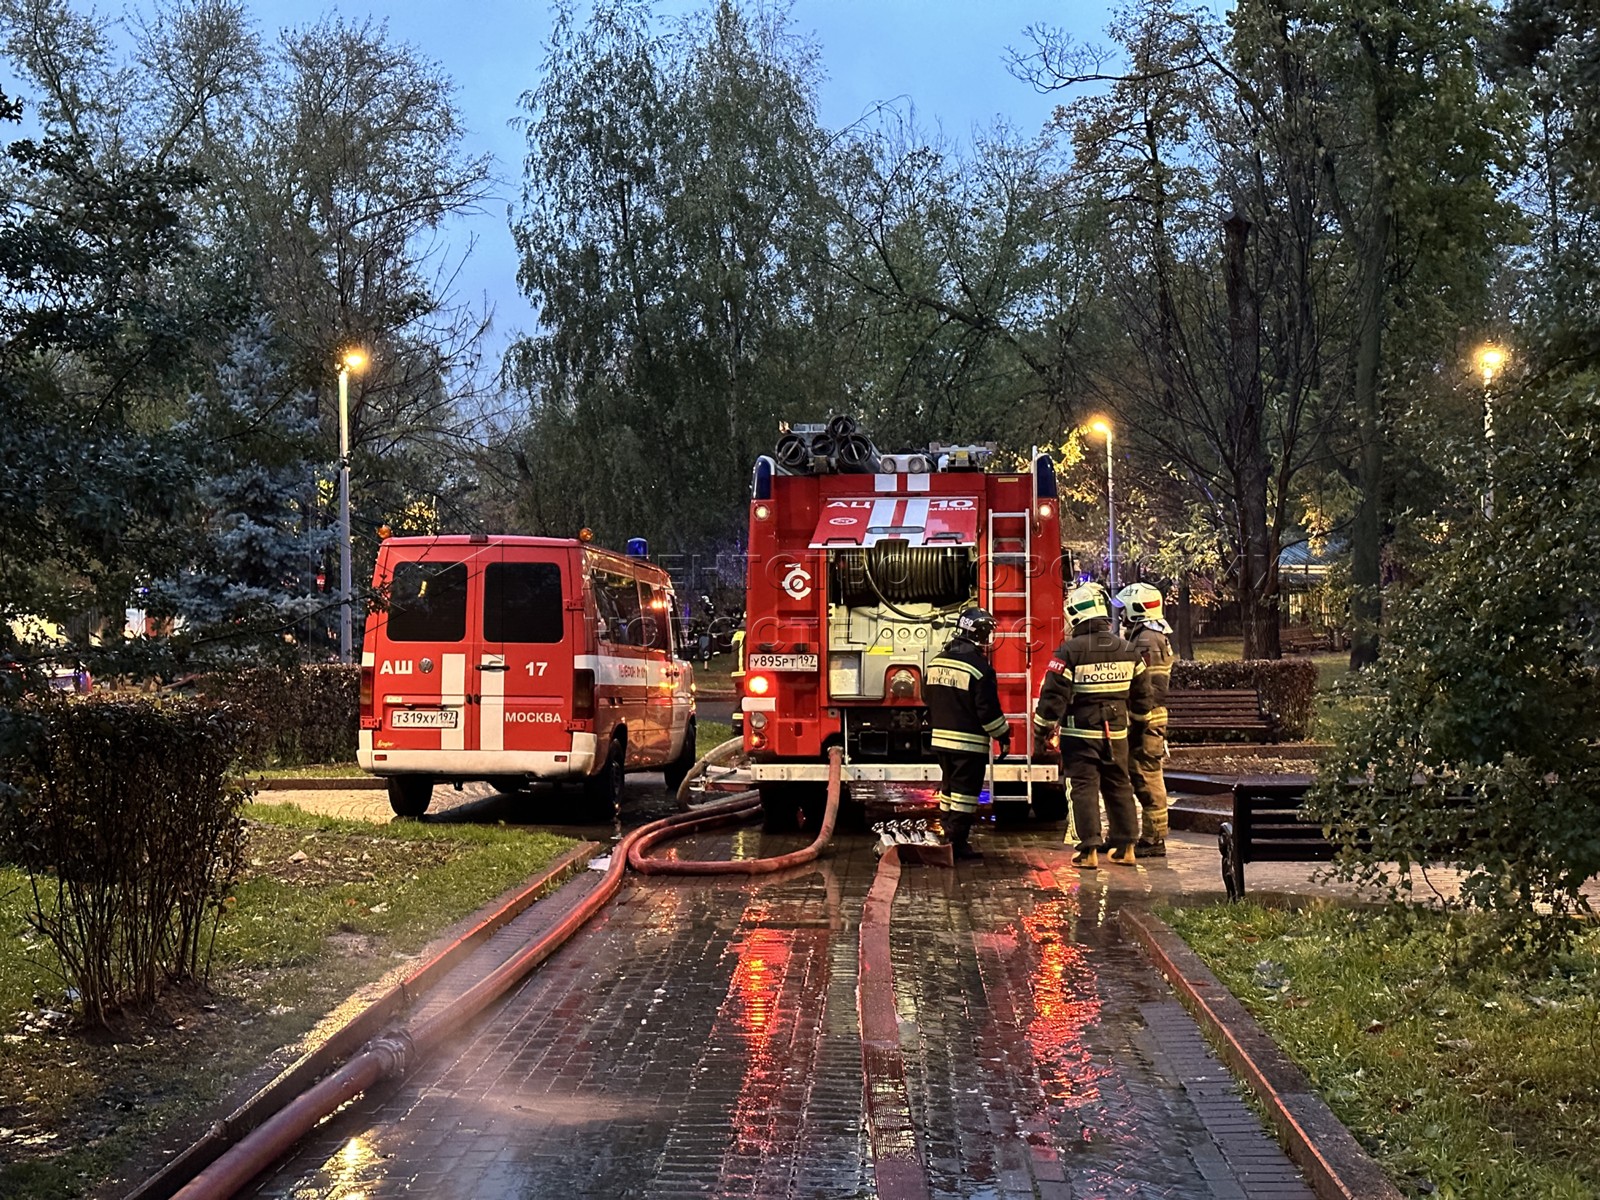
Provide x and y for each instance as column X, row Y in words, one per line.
column 1096, row 768
column 962, row 780
column 1146, row 750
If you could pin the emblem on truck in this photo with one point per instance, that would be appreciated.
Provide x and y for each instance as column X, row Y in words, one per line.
column 797, row 582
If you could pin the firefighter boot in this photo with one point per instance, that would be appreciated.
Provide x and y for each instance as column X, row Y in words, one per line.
column 960, row 827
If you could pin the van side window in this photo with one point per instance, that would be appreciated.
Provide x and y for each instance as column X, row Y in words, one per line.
column 428, row 602
column 522, row 602
column 616, row 602
column 657, row 631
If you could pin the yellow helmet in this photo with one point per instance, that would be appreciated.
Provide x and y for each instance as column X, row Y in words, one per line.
column 1086, row 602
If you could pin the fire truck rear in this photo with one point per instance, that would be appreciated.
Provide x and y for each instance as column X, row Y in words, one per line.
column 859, row 565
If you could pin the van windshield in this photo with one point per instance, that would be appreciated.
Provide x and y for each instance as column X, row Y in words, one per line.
column 428, row 602
column 522, row 602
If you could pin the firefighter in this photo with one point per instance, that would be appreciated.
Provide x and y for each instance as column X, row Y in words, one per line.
column 1089, row 686
column 964, row 707
column 1147, row 723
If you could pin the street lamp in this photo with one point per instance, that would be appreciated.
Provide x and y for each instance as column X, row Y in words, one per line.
column 1489, row 359
column 350, row 360
column 1103, row 427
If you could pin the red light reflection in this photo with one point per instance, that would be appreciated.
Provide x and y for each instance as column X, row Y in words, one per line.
column 1066, row 1001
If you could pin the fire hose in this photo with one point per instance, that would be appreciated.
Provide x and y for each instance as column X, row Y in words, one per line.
column 392, row 1053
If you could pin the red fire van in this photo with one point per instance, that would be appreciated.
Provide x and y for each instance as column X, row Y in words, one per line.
column 520, row 659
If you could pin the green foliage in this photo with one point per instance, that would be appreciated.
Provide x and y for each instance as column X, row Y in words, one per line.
column 123, row 816
column 1474, row 741
column 1465, row 1079
column 297, row 714
column 1288, row 687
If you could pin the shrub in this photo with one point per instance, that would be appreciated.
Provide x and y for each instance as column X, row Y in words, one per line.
column 121, row 813
column 1288, row 687
column 298, row 714
column 1475, row 739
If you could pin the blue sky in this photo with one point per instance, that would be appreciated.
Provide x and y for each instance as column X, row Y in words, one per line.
column 947, row 57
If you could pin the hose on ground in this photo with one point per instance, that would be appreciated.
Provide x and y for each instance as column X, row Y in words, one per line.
column 392, row 1053
column 638, row 851
column 711, row 758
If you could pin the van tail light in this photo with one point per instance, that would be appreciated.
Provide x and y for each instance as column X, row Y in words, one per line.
column 583, row 695
column 366, row 691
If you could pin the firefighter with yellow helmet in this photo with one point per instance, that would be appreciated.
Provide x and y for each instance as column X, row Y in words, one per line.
column 1091, row 682
column 1147, row 723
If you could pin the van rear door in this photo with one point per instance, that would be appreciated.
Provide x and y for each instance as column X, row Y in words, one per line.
column 420, row 665
column 532, row 611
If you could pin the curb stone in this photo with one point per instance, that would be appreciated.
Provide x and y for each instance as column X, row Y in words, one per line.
column 1334, row 1162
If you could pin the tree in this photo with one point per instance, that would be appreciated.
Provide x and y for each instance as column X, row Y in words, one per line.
column 673, row 239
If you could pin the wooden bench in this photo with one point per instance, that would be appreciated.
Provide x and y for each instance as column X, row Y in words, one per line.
column 1303, row 641
column 1215, row 710
column 1269, row 825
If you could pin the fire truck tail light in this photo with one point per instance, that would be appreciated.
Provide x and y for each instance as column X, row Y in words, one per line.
column 758, row 720
column 763, row 511
column 583, row 695
column 903, row 683
column 757, row 685
column 757, row 741
column 366, row 691
column 1045, row 509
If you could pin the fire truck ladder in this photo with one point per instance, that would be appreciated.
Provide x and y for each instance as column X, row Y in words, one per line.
column 1017, row 540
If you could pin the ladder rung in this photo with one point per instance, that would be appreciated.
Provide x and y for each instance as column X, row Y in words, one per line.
column 1008, row 595
column 1010, row 674
column 1000, row 516
column 1018, row 634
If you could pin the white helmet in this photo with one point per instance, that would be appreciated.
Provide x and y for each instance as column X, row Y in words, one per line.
column 1086, row 602
column 1143, row 605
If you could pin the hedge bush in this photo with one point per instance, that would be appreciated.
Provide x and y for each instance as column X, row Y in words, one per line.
column 1288, row 687
column 121, row 812
column 298, row 714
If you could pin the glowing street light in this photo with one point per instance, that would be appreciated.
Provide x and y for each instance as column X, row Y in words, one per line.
column 350, row 360
column 1101, row 426
column 1489, row 359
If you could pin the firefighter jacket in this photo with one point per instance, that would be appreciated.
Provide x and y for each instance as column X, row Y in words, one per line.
column 1156, row 651
column 963, row 699
column 1092, row 681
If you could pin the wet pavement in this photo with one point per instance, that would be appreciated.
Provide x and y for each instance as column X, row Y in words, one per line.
column 704, row 1037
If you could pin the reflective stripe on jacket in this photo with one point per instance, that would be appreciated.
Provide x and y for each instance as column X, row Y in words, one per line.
column 1091, row 683
column 963, row 699
column 1158, row 656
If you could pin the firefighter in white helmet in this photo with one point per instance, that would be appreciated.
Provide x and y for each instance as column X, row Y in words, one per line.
column 1147, row 632
column 964, row 708
column 1089, row 686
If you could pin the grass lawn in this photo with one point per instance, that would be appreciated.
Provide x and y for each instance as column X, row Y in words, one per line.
column 344, row 770
column 708, row 735
column 326, row 906
column 1484, row 1086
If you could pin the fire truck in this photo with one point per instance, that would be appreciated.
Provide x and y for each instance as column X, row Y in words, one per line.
column 859, row 565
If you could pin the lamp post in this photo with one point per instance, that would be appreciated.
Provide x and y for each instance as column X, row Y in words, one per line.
column 350, row 360
column 1103, row 427
column 1489, row 360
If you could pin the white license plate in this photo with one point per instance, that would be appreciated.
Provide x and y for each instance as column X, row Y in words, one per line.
column 424, row 718
column 783, row 662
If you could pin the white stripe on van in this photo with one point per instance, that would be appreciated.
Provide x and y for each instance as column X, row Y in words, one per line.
column 619, row 671
column 453, row 682
column 492, row 709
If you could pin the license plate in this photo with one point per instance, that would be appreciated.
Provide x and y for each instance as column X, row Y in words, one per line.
column 783, row 662
column 424, row 718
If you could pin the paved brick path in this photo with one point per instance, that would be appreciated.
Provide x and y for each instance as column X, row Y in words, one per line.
column 702, row 1038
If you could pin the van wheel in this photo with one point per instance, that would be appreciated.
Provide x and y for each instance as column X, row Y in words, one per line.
column 409, row 795
column 602, row 793
column 680, row 766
